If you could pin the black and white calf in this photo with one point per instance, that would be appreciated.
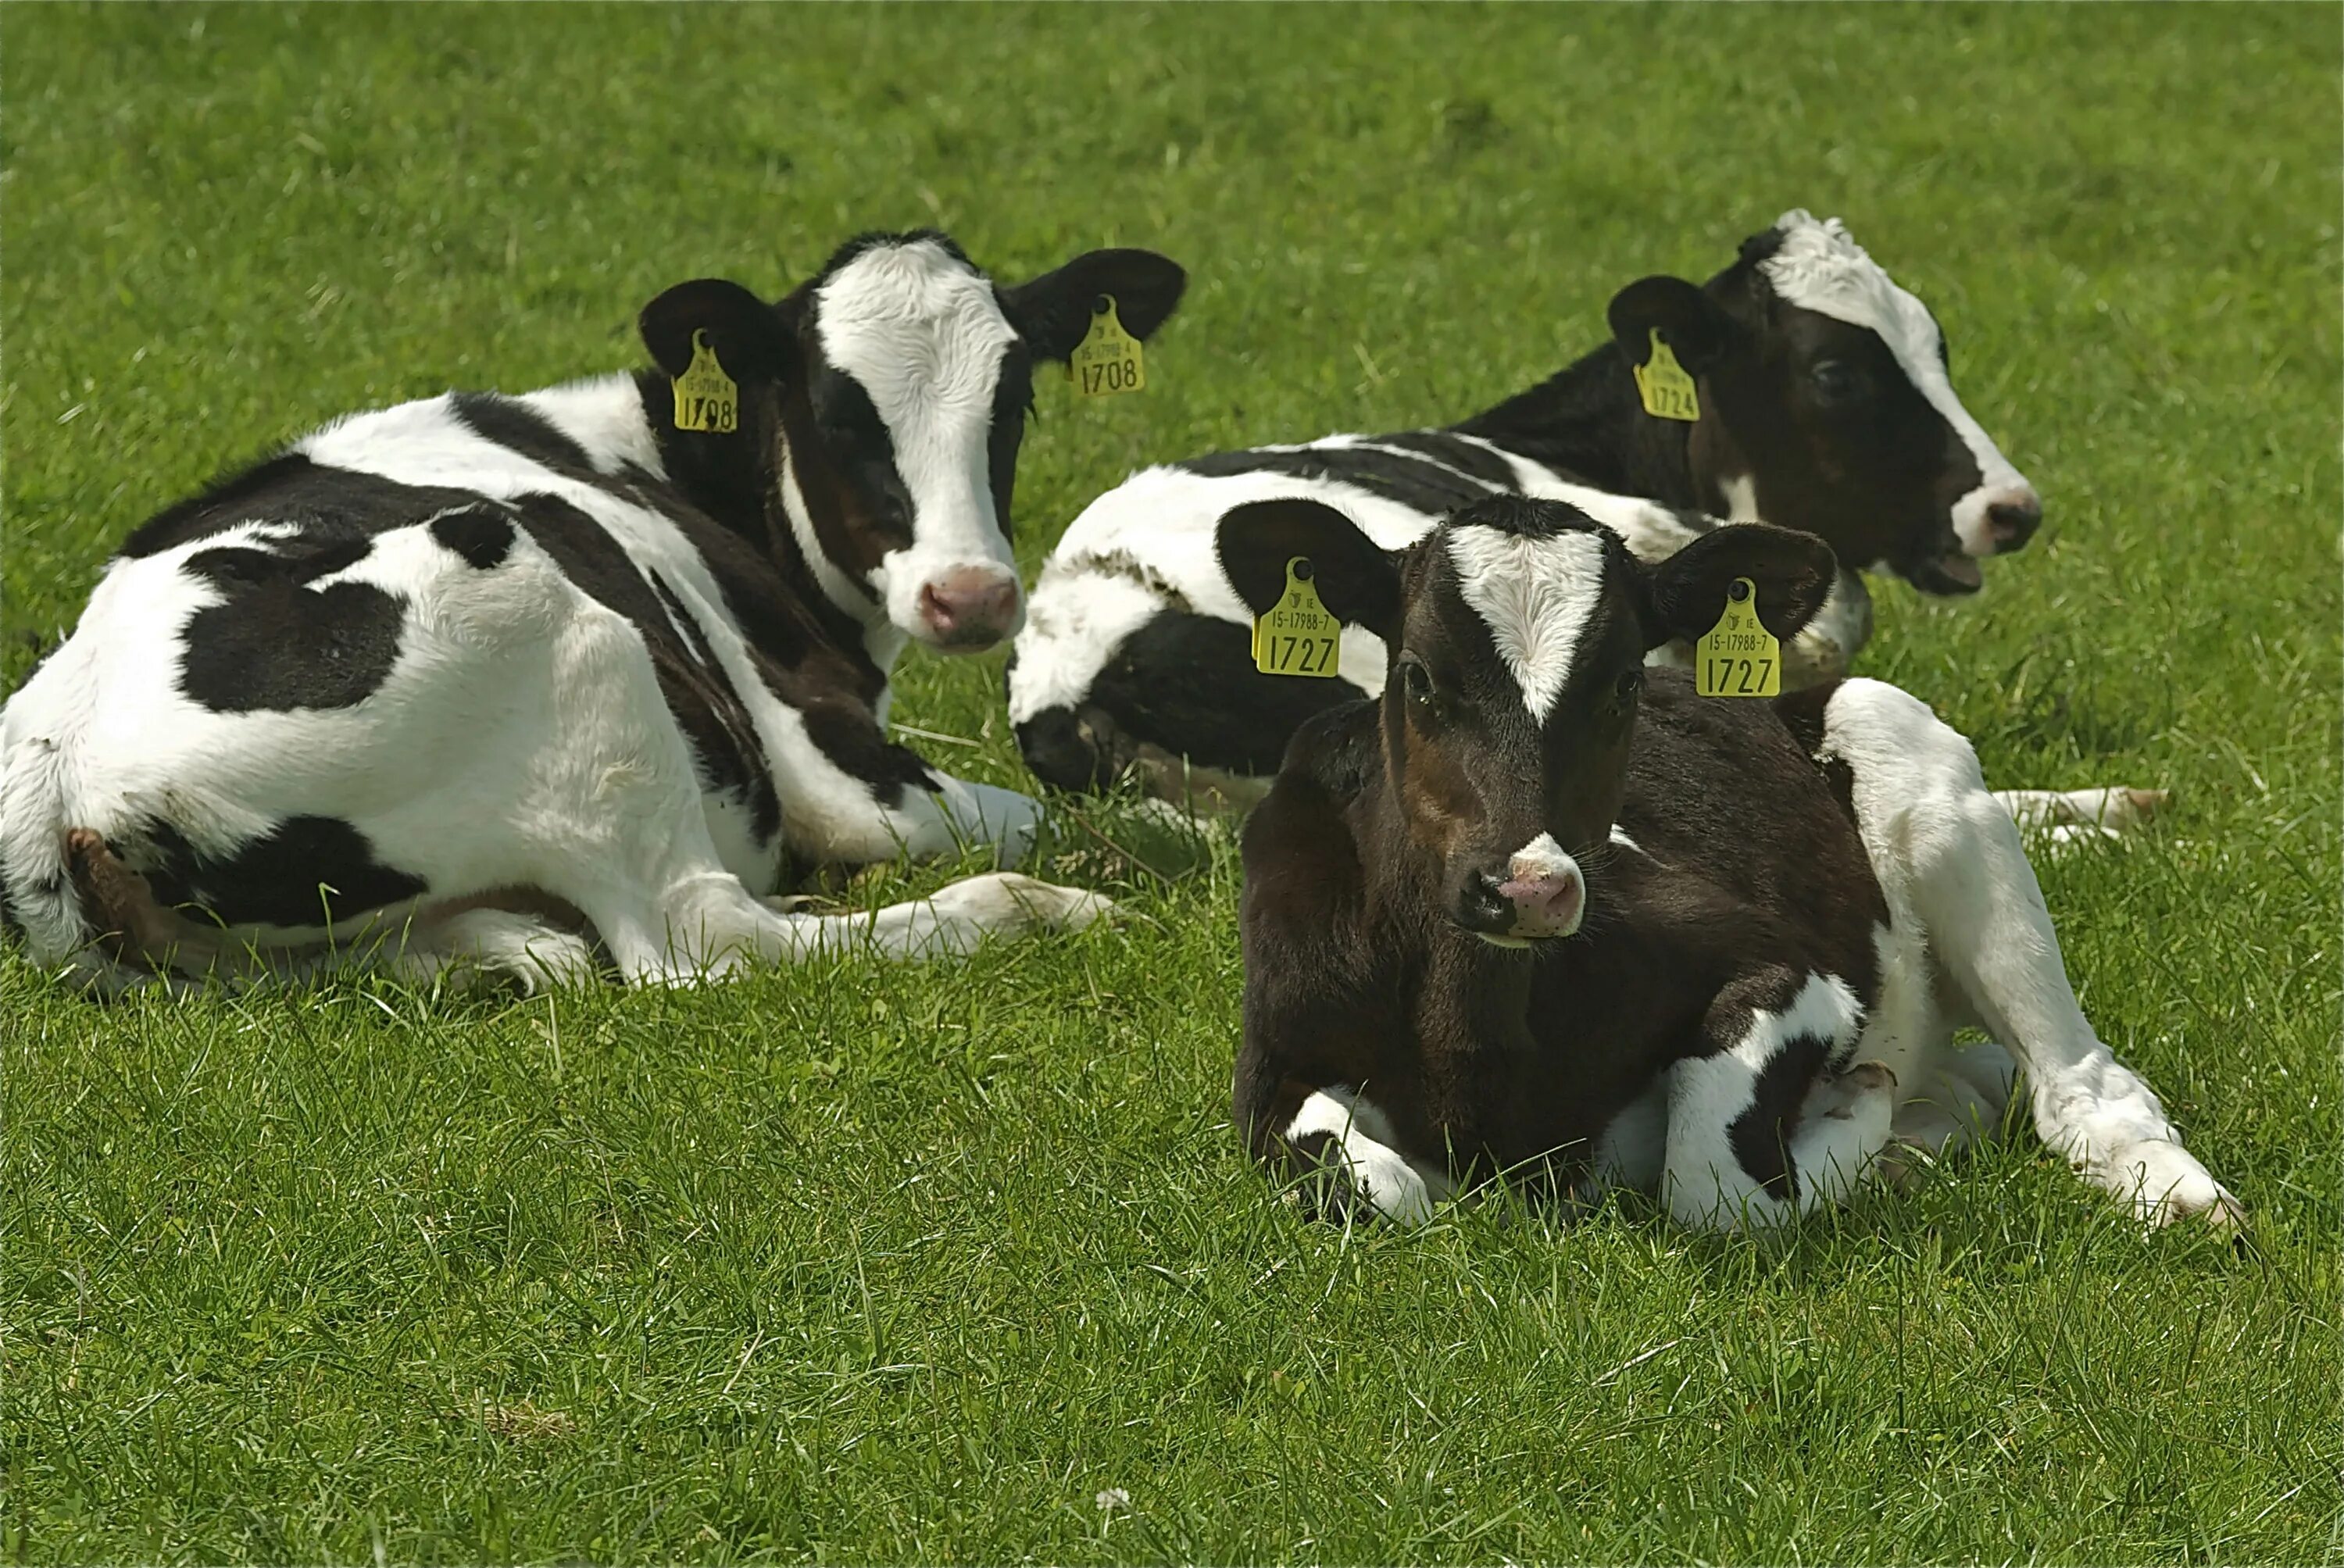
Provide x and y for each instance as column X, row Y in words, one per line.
column 1824, row 406
column 1538, row 911
column 506, row 678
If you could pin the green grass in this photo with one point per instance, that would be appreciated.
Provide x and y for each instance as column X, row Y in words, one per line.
column 870, row 1263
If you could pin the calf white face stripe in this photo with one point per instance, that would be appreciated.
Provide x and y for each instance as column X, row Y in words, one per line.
column 1819, row 268
column 1536, row 596
column 923, row 334
column 1541, row 857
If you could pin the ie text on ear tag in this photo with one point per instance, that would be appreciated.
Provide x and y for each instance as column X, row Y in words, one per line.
column 1661, row 383
column 1109, row 359
column 706, row 398
column 1738, row 657
column 1297, row 636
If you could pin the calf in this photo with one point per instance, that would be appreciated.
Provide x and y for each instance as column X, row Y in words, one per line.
column 503, row 678
column 1824, row 405
column 1539, row 912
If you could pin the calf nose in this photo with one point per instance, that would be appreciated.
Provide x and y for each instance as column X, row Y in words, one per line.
column 2011, row 520
column 1546, row 902
column 969, row 607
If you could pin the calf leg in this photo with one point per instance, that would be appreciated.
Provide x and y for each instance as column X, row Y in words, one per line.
column 1754, row 1138
column 1948, row 858
column 1337, row 1132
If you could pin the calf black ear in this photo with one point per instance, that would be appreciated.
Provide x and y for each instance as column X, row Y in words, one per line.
column 741, row 329
column 1358, row 582
column 1698, row 331
column 1793, row 574
column 1052, row 311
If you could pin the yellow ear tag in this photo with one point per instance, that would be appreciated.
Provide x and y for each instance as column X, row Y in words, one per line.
column 1109, row 359
column 1297, row 636
column 706, row 398
column 1664, row 385
column 1738, row 657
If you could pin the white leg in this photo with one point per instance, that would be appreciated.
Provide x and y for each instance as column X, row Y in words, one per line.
column 1947, row 855
column 1725, row 1167
column 1360, row 1139
column 2116, row 809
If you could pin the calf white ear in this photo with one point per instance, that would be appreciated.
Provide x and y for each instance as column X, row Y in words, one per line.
column 744, row 331
column 1698, row 332
column 1358, row 582
column 1793, row 572
column 1053, row 312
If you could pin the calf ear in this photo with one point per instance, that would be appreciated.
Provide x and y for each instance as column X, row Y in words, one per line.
column 1052, row 311
column 1698, row 332
column 1793, row 572
column 1358, row 582
column 741, row 329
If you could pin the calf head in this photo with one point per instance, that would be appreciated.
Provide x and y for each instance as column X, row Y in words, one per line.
column 1827, row 405
column 882, row 406
column 1517, row 632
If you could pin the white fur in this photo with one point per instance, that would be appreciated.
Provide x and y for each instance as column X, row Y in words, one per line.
column 1703, row 1182
column 1147, row 545
column 924, row 334
column 1395, row 1185
column 1541, row 857
column 1948, row 859
column 1536, row 596
column 1820, row 268
column 519, row 740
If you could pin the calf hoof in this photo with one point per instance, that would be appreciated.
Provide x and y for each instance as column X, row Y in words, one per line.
column 1007, row 903
column 2164, row 1184
column 1845, row 1095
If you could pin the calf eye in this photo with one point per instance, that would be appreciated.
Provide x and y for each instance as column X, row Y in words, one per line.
column 1416, row 681
column 1629, row 684
column 1836, row 381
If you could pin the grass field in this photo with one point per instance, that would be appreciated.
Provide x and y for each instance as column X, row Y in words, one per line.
column 887, row 1264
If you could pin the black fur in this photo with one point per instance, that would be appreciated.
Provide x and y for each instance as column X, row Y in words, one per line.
column 307, row 871
column 275, row 642
column 516, row 426
column 483, row 535
column 1414, row 483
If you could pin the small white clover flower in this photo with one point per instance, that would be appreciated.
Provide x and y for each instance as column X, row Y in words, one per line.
column 1114, row 1499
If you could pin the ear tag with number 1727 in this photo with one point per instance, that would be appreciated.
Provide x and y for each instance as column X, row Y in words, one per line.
column 1738, row 657
column 1661, row 383
column 1297, row 636
column 706, row 398
column 1109, row 359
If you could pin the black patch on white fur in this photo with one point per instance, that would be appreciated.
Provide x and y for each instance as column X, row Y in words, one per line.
column 275, row 642
column 1413, row 482
column 518, row 427
column 483, row 535
column 307, row 871
column 1468, row 458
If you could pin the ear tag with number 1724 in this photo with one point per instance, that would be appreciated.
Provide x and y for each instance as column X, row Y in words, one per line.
column 1664, row 385
column 706, row 398
column 1109, row 359
column 1297, row 636
column 1738, row 657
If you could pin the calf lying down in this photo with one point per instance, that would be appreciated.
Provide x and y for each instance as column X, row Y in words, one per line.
column 1541, row 913
column 586, row 676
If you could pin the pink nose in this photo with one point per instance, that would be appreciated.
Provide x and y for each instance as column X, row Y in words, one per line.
column 1545, row 906
column 968, row 607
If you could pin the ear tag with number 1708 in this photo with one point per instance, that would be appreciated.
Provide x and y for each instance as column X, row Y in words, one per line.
column 1109, row 359
column 1738, row 657
column 706, row 398
column 1297, row 636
